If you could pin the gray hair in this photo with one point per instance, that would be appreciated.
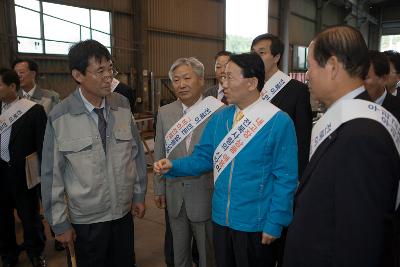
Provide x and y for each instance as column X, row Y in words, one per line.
column 193, row 62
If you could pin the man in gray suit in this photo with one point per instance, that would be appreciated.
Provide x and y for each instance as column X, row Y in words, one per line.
column 187, row 199
column 221, row 58
column 27, row 71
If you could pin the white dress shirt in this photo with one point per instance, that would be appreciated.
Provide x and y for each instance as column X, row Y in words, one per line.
column 220, row 92
column 29, row 94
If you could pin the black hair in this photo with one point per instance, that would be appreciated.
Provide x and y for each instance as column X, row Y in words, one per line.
column 222, row 53
column 80, row 53
column 394, row 58
column 32, row 65
column 379, row 62
column 276, row 47
column 252, row 66
column 347, row 44
column 9, row 76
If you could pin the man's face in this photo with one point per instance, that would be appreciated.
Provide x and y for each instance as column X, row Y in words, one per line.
column 220, row 64
column 235, row 86
column 374, row 84
column 97, row 80
column 263, row 48
column 5, row 90
column 392, row 78
column 318, row 77
column 26, row 76
column 188, row 86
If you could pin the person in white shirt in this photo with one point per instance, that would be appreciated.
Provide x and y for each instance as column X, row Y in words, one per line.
column 221, row 59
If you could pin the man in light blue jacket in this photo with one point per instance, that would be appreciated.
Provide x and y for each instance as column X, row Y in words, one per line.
column 253, row 195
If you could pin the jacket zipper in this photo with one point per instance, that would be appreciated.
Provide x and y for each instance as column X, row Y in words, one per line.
column 229, row 193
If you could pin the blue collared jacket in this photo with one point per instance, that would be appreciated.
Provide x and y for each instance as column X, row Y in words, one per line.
column 254, row 193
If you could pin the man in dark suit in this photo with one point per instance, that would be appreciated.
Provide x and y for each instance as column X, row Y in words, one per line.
column 393, row 80
column 293, row 98
column 27, row 71
column 375, row 83
column 125, row 90
column 21, row 139
column 346, row 198
column 221, row 58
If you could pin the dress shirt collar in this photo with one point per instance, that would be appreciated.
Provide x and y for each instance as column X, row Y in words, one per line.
column 220, row 91
column 186, row 109
column 89, row 105
column 29, row 93
column 350, row 95
column 380, row 99
column 250, row 106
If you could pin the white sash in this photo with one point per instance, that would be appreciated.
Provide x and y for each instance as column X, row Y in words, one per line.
column 239, row 136
column 274, row 85
column 189, row 122
column 15, row 112
column 350, row 109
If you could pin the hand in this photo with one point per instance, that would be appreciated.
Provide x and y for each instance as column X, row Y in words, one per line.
column 267, row 239
column 160, row 201
column 138, row 210
column 67, row 238
column 162, row 166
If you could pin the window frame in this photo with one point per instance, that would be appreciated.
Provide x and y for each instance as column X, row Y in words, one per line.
column 43, row 39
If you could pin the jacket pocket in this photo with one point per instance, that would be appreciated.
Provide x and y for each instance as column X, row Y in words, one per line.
column 123, row 155
column 83, row 182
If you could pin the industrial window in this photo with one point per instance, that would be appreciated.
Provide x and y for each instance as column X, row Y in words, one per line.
column 390, row 42
column 300, row 57
column 47, row 28
column 244, row 21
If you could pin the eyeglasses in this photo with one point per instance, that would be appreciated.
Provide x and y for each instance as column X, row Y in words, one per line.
column 229, row 78
column 104, row 74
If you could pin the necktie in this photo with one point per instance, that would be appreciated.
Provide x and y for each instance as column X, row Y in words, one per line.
column 238, row 117
column 189, row 136
column 223, row 100
column 27, row 96
column 102, row 125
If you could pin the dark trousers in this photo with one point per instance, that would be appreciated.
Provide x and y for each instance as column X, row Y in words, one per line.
column 26, row 202
column 241, row 249
column 105, row 244
column 169, row 247
column 279, row 247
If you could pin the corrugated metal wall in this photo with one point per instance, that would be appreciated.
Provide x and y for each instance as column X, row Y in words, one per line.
column 184, row 28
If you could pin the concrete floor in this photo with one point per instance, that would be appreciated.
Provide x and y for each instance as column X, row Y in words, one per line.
column 149, row 238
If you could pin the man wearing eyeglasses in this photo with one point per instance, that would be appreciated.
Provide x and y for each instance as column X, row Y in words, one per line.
column 94, row 170
column 251, row 147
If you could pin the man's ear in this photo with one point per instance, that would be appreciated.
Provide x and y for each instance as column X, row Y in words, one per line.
column 333, row 64
column 253, row 82
column 201, row 81
column 77, row 75
column 277, row 58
